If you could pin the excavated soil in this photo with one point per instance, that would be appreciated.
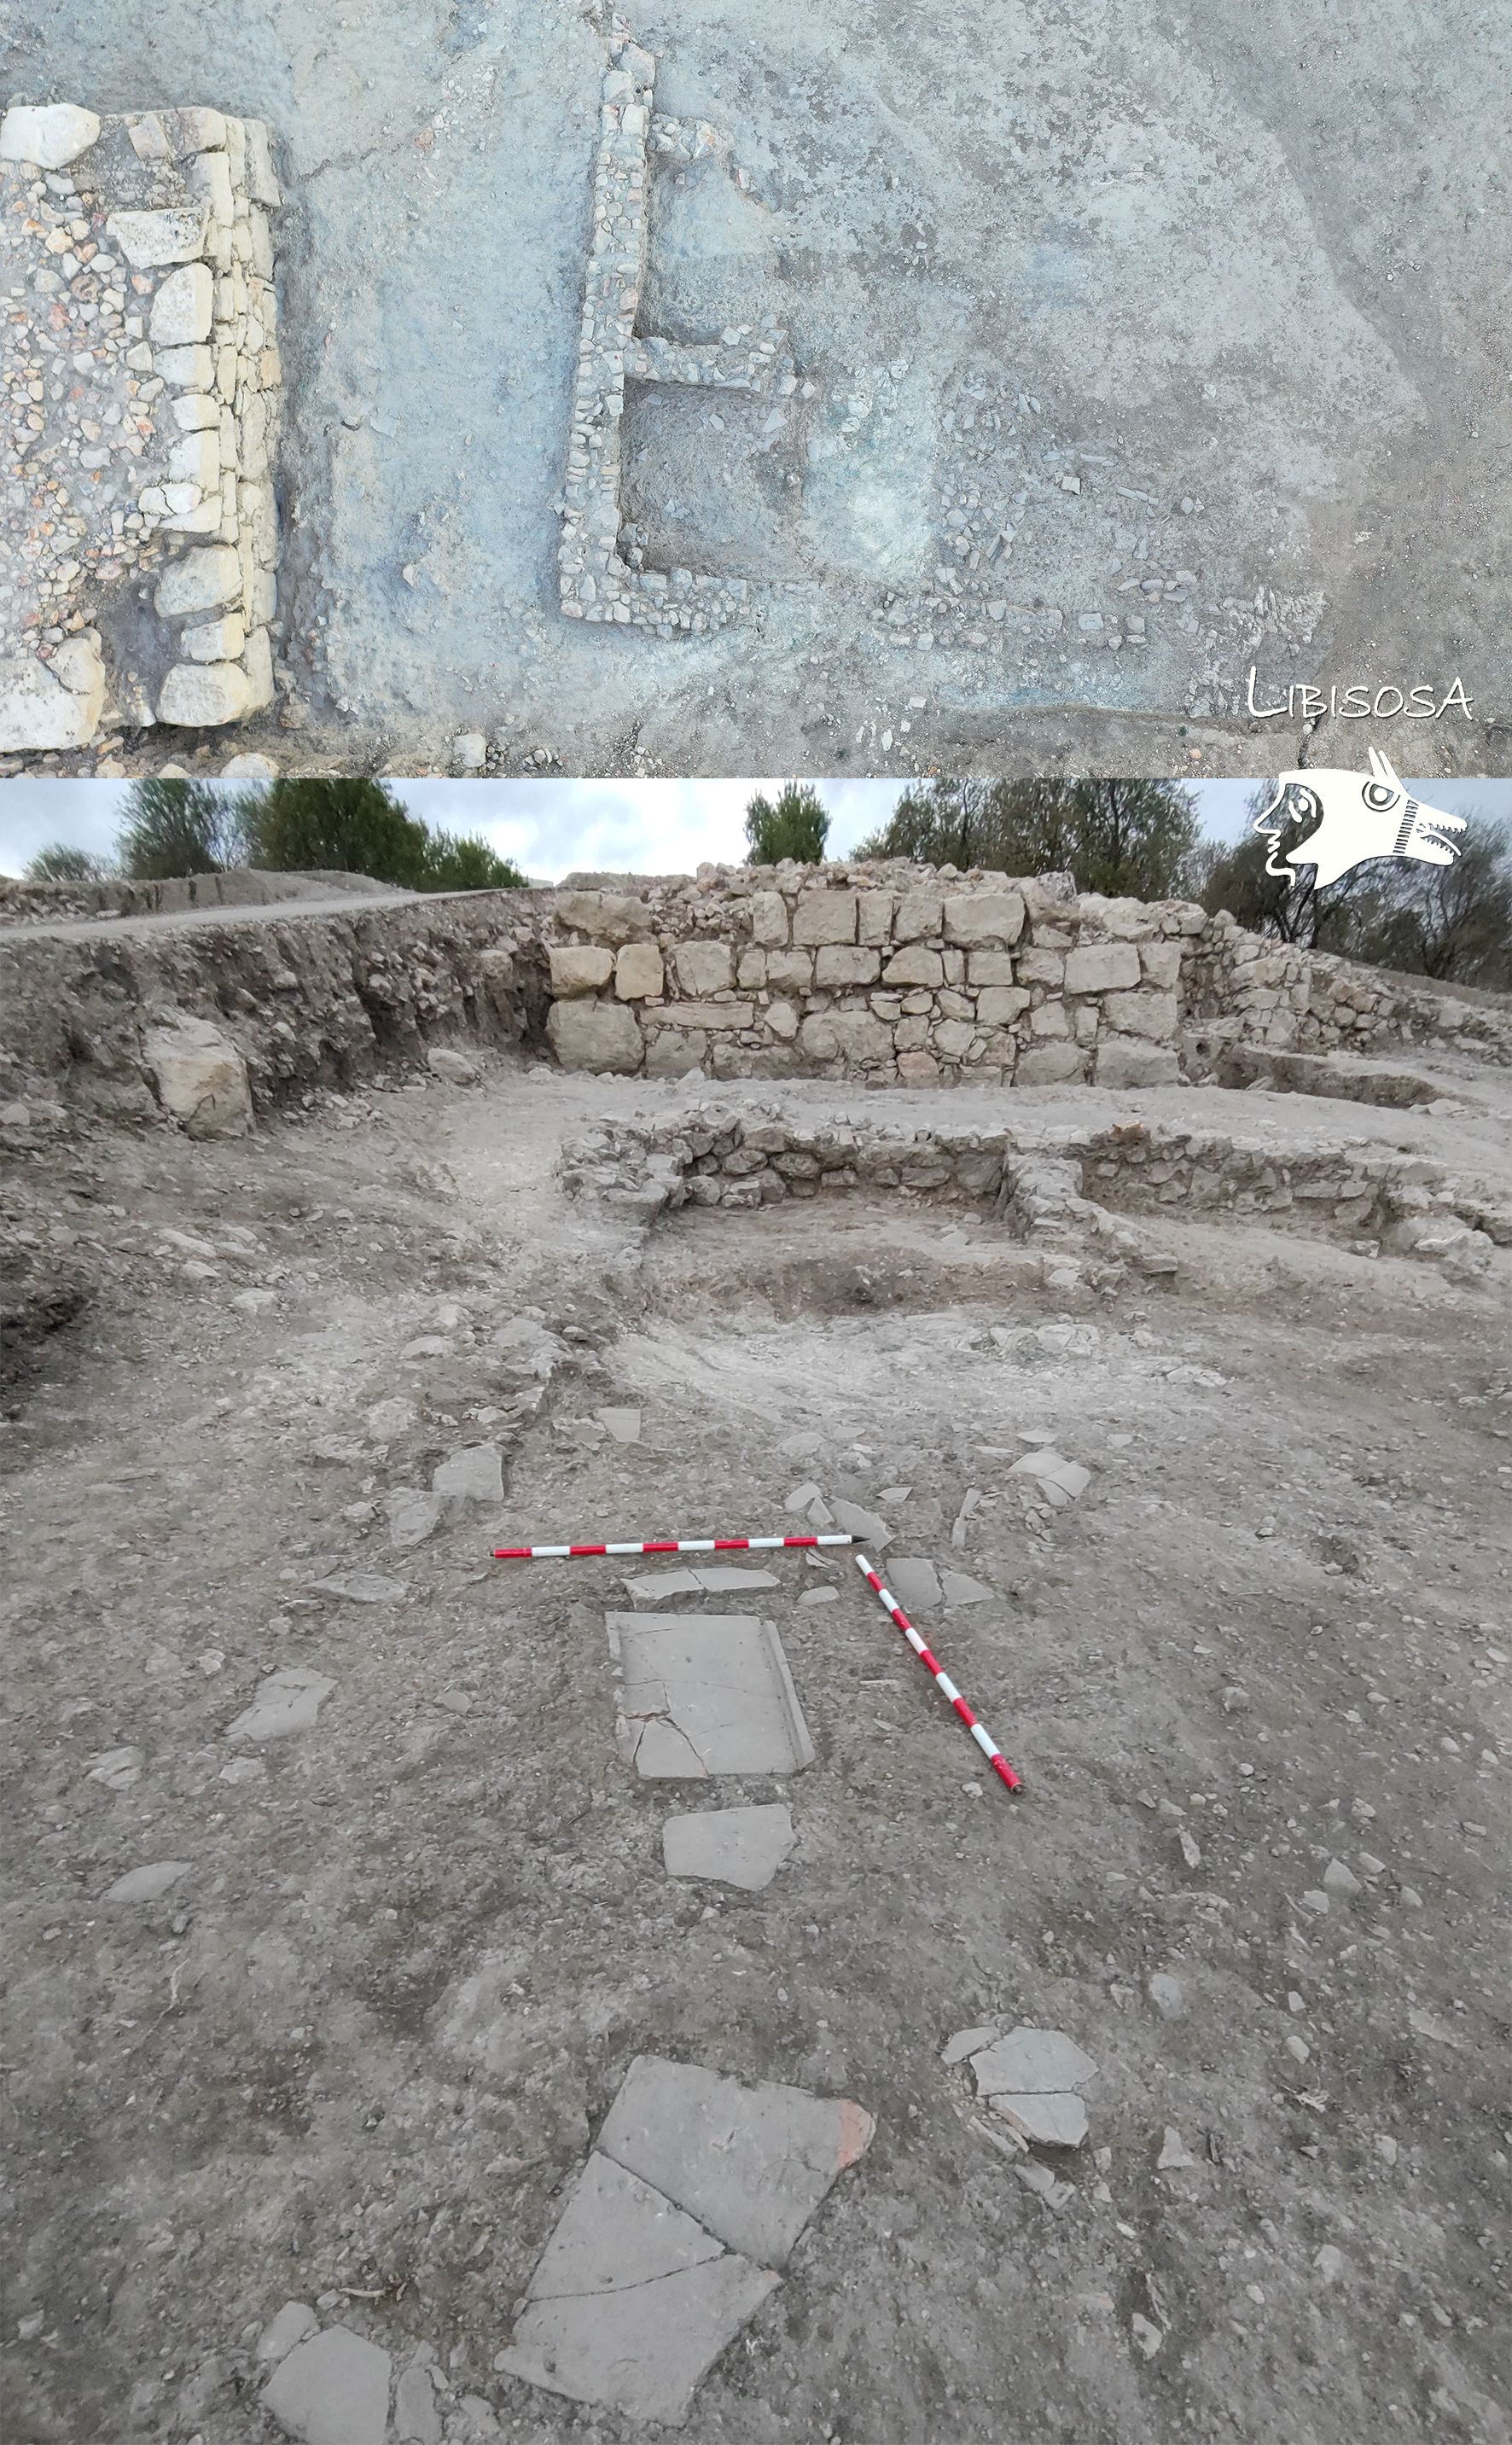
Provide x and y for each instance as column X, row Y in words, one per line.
column 356, row 2052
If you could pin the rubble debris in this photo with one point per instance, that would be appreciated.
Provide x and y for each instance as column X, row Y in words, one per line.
column 1061, row 1480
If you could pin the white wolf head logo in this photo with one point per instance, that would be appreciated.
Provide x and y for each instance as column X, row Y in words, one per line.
column 1361, row 819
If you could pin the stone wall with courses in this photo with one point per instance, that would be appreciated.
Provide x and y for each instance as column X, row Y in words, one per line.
column 1043, row 1184
column 919, row 977
column 1239, row 988
column 890, row 973
column 151, row 464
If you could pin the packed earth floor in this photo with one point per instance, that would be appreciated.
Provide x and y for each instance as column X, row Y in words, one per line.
column 1128, row 358
column 340, row 1918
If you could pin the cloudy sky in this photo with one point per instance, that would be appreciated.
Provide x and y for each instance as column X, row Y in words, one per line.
column 548, row 828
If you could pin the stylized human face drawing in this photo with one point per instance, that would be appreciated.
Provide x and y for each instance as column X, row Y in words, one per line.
column 1363, row 817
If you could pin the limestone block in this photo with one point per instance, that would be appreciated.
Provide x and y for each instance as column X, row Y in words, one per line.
column 990, row 969
column 1149, row 1013
column 214, row 641
column 994, row 919
column 918, row 1069
column 50, row 134
column 671, row 1051
column 257, row 661
column 194, row 458
column 1160, row 964
column 782, row 1021
column 581, row 968
column 751, row 970
column 952, row 1037
column 1126, row 921
column 209, row 174
column 200, row 1078
column 594, row 1035
column 721, row 1016
column 175, row 235
column 918, row 915
column 608, row 917
column 1126, row 1061
column 1000, row 1005
column 1038, row 967
column 195, row 412
column 183, row 309
column 817, row 1037
column 915, row 965
column 1049, row 1065
column 192, row 368
column 839, row 964
column 825, row 917
column 769, row 919
column 874, row 912
column 46, row 706
column 203, row 694
column 911, row 1035
column 638, row 971
column 198, row 581
column 790, row 972
column 1049, row 1020
column 262, row 181
column 703, row 967
column 1102, row 967
column 860, row 1040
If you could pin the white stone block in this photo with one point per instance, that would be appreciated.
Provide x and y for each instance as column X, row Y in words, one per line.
column 51, row 135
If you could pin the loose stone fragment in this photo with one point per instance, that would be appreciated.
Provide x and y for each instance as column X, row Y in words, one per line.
column 286, row 1702
column 331, row 2390
column 148, row 1884
column 736, row 1846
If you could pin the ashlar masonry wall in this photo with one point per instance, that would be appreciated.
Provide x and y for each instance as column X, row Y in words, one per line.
column 923, row 976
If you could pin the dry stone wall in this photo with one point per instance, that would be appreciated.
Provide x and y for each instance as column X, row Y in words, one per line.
column 1239, row 988
column 1044, row 1184
column 897, row 975
column 142, row 414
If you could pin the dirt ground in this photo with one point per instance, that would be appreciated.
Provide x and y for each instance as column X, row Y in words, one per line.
column 355, row 2053
column 1193, row 301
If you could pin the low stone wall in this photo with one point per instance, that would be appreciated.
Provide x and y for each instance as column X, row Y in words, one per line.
column 894, row 974
column 142, row 434
column 1277, row 994
column 1042, row 1185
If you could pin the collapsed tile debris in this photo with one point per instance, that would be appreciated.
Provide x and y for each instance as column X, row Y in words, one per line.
column 143, row 383
column 601, row 560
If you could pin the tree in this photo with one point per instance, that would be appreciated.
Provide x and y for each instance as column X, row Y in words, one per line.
column 1451, row 922
column 172, row 827
column 795, row 827
column 347, row 827
column 59, row 863
column 467, row 865
column 362, row 828
column 1128, row 839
